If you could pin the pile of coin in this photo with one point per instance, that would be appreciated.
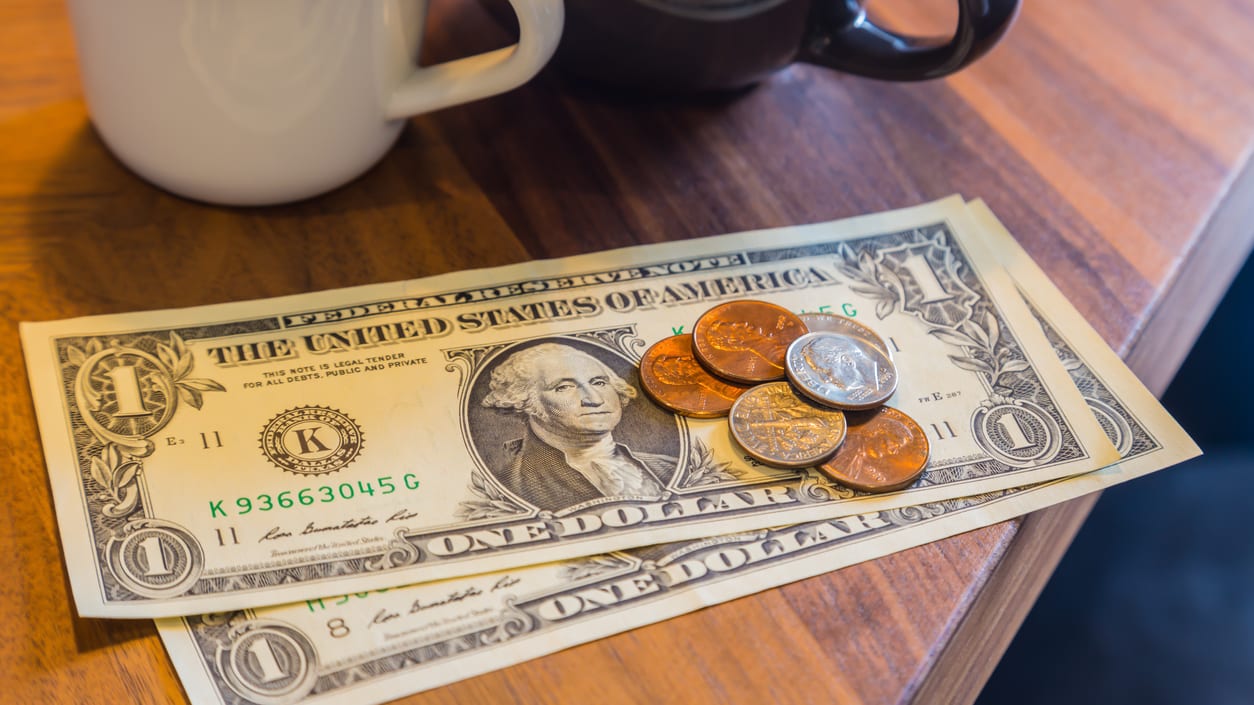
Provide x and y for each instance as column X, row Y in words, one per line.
column 800, row 390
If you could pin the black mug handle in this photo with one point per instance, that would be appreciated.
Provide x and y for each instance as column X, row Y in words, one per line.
column 839, row 35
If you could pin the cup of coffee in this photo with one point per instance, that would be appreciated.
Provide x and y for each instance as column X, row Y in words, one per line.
column 699, row 45
column 252, row 102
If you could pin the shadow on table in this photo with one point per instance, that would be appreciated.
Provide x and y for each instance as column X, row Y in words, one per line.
column 1152, row 605
column 101, row 235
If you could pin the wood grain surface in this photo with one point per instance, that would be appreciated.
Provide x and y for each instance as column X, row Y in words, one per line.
column 1112, row 137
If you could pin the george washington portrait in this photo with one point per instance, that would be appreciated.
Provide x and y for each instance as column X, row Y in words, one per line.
column 571, row 428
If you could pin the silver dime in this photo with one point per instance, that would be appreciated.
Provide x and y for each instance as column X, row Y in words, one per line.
column 831, row 323
column 841, row 371
column 778, row 427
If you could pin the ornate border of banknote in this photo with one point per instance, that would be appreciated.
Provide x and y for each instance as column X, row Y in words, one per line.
column 118, row 397
column 602, row 595
column 259, row 655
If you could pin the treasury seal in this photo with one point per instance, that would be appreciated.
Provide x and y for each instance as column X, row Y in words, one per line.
column 311, row 440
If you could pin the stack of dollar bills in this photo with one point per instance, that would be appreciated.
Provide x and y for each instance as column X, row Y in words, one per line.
column 352, row 495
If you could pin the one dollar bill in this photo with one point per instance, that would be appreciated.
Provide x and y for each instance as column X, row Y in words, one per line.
column 228, row 456
column 375, row 646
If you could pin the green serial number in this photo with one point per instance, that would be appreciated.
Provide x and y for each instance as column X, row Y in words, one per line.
column 311, row 495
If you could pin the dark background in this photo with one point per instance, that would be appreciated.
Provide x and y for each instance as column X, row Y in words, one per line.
column 1154, row 602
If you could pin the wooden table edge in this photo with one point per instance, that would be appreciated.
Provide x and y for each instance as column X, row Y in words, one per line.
column 967, row 659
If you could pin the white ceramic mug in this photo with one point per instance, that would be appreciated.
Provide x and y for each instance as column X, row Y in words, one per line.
column 251, row 102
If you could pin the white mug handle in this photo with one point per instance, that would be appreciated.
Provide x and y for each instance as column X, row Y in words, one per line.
column 463, row 80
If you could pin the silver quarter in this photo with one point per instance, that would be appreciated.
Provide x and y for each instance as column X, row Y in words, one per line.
column 831, row 323
column 778, row 427
column 842, row 371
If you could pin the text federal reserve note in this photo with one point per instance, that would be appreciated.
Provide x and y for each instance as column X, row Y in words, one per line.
column 228, row 456
column 375, row 646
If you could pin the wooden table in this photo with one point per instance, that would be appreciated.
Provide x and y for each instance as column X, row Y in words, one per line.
column 1112, row 136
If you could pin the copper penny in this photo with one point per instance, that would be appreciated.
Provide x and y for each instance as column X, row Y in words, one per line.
column 884, row 450
column 745, row 341
column 672, row 377
column 831, row 323
column 778, row 427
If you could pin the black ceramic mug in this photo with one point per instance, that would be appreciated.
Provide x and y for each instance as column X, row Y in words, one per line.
column 693, row 45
